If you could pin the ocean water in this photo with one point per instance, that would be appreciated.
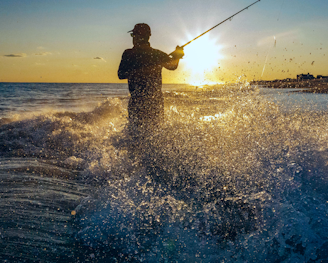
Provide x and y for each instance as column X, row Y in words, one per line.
column 235, row 174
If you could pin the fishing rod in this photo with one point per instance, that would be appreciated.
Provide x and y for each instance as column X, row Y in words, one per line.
column 229, row 18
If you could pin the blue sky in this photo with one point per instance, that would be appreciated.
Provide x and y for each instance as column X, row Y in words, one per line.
column 58, row 41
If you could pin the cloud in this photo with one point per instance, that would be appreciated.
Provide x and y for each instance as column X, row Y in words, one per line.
column 17, row 55
column 100, row 58
column 43, row 54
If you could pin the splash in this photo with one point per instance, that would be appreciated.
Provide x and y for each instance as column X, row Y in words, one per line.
column 228, row 177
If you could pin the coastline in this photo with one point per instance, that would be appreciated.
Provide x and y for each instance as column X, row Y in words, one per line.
column 309, row 86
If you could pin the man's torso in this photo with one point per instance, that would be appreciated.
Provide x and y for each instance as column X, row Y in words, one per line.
column 145, row 65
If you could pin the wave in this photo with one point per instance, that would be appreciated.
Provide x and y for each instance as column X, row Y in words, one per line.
column 228, row 177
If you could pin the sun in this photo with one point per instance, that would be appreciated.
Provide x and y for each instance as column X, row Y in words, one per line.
column 201, row 58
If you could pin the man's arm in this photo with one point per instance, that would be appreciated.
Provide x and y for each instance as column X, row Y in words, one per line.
column 172, row 64
column 124, row 68
column 175, row 57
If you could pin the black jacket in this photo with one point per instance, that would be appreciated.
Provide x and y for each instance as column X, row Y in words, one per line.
column 142, row 66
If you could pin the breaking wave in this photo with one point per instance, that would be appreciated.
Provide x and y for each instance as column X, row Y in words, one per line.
column 228, row 177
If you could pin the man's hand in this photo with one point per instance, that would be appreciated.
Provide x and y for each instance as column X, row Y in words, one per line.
column 178, row 53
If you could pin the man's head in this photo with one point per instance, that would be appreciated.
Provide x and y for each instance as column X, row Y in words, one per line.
column 140, row 33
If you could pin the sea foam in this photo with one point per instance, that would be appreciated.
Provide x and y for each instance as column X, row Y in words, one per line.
column 229, row 177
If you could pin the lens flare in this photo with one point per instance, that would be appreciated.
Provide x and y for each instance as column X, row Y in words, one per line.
column 201, row 58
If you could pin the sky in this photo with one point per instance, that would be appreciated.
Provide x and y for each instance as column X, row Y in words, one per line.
column 83, row 40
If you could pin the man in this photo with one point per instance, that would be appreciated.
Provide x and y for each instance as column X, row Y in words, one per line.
column 142, row 66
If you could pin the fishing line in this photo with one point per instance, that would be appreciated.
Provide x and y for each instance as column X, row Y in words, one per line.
column 266, row 59
column 275, row 41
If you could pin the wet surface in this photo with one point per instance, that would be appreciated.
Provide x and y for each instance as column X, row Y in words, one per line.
column 37, row 207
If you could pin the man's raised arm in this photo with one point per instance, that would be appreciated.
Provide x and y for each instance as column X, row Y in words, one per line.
column 175, row 57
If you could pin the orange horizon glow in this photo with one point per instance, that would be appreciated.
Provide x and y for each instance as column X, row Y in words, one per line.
column 82, row 42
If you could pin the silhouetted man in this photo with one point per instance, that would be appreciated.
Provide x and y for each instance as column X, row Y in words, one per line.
column 142, row 66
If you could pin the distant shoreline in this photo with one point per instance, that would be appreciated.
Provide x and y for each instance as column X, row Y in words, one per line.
column 309, row 86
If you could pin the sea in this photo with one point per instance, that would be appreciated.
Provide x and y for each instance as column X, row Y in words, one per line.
column 239, row 173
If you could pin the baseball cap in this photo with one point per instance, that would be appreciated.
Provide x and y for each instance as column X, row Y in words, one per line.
column 141, row 29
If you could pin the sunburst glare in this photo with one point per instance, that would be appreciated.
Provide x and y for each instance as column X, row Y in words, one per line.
column 201, row 58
